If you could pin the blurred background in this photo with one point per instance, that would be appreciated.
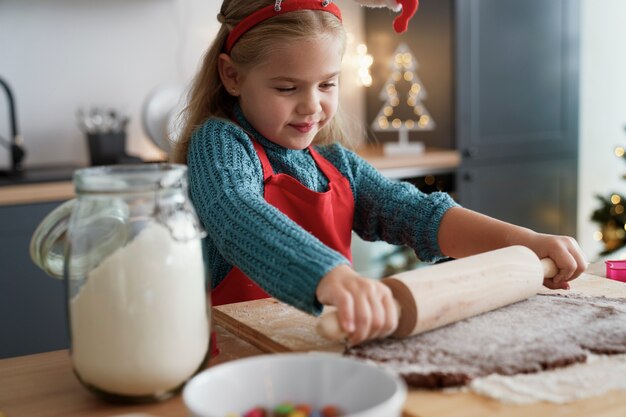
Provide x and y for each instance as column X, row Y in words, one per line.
column 530, row 95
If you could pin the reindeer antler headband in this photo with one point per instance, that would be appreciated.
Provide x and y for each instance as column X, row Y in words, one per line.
column 407, row 9
column 279, row 7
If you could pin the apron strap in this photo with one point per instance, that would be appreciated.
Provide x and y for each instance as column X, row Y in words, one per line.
column 331, row 171
column 268, row 171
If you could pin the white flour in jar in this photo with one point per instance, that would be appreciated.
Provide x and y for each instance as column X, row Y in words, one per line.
column 139, row 324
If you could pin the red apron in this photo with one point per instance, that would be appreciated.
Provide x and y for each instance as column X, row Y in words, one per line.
column 327, row 216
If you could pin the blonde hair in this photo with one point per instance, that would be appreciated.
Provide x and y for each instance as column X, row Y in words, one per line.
column 207, row 96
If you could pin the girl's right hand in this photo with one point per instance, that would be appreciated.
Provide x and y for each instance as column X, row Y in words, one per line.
column 365, row 307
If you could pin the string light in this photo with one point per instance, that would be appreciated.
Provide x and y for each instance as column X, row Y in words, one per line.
column 358, row 61
column 612, row 217
column 363, row 62
column 402, row 94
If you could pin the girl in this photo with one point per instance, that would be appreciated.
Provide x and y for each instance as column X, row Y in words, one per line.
column 279, row 196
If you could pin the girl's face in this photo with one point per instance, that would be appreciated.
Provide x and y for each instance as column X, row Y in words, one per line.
column 290, row 97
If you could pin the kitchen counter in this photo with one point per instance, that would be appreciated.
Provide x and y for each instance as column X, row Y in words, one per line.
column 38, row 174
column 43, row 185
column 37, row 185
column 432, row 162
column 43, row 385
column 36, row 193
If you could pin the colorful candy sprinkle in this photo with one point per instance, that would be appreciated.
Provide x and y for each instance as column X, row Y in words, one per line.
column 255, row 412
column 283, row 409
column 330, row 411
column 288, row 409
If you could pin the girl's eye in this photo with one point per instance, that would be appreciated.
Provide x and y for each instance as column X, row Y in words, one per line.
column 285, row 89
column 326, row 86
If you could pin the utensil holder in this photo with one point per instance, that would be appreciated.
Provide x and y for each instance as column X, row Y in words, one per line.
column 106, row 148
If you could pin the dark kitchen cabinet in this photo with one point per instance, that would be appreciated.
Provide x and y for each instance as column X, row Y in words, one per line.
column 502, row 81
column 517, row 67
column 32, row 304
column 538, row 193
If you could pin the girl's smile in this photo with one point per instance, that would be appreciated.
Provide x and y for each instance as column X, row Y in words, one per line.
column 303, row 127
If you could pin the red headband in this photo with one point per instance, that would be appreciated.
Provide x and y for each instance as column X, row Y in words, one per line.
column 271, row 11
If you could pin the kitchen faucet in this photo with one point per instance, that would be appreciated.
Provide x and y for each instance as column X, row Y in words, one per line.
column 15, row 143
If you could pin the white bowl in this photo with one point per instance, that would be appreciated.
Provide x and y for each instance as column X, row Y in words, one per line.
column 357, row 388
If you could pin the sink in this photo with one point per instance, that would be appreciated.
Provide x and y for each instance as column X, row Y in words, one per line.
column 39, row 174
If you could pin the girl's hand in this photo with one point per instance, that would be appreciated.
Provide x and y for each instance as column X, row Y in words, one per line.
column 365, row 307
column 566, row 254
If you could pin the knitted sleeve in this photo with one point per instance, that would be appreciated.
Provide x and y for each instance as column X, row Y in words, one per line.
column 393, row 211
column 226, row 187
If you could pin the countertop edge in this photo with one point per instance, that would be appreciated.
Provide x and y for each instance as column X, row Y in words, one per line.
column 36, row 193
column 432, row 161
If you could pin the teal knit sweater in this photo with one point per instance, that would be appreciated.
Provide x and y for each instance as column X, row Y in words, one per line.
column 226, row 188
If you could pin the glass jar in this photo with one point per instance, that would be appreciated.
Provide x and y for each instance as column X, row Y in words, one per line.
column 129, row 249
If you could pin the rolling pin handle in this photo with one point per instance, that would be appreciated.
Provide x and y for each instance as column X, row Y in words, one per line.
column 329, row 328
column 549, row 268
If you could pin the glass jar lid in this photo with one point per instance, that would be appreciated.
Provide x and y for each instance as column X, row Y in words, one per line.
column 129, row 178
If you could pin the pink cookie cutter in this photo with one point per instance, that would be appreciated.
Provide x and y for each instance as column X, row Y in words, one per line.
column 616, row 270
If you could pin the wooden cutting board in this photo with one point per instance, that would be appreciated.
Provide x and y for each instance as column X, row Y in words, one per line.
column 276, row 327
column 273, row 326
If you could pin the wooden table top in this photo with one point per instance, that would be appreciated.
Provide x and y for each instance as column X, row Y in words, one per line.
column 43, row 385
column 275, row 327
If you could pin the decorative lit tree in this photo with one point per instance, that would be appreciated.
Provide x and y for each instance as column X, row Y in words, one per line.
column 612, row 218
column 403, row 110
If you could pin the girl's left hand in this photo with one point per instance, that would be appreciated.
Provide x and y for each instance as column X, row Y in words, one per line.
column 566, row 254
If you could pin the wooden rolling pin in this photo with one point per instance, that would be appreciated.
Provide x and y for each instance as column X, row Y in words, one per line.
column 431, row 297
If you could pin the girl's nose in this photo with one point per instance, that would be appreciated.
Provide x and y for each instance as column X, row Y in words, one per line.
column 309, row 103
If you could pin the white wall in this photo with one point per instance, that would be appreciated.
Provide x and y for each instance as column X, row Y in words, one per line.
column 602, row 110
column 59, row 55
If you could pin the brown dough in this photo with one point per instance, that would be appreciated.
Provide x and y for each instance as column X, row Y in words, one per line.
column 542, row 332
